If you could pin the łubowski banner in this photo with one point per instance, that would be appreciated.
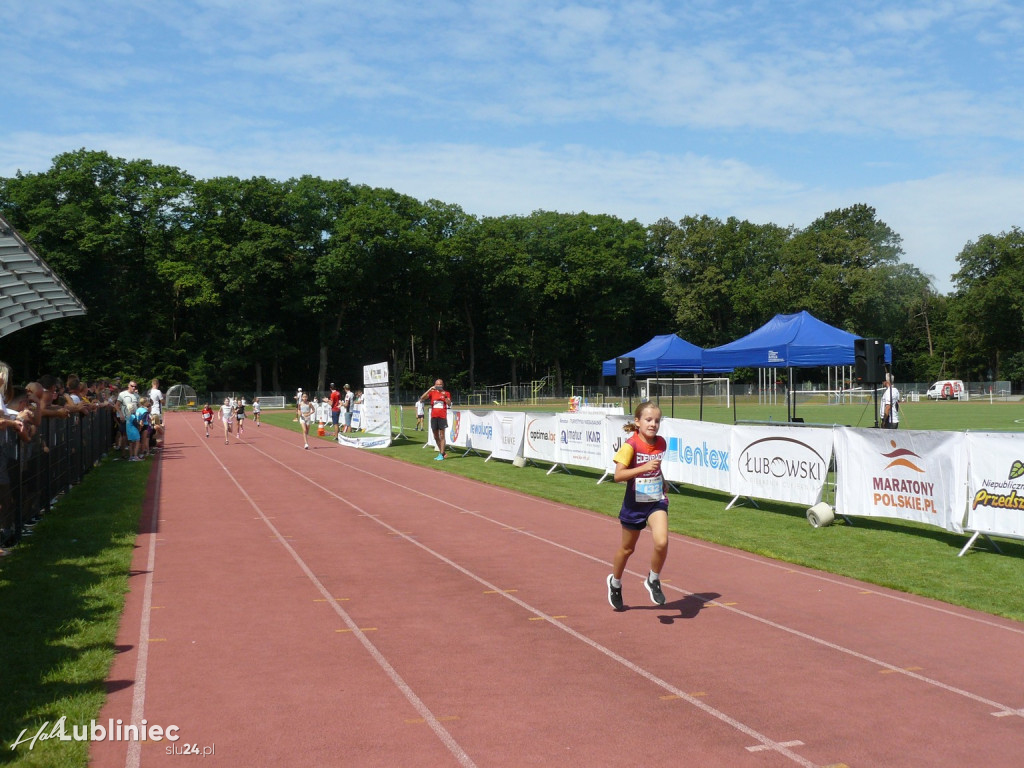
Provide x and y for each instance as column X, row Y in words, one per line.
column 996, row 489
column 780, row 463
column 906, row 474
column 375, row 412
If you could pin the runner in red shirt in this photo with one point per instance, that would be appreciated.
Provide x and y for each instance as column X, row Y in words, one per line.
column 440, row 401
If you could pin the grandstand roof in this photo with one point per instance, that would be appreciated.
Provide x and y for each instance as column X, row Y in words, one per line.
column 30, row 292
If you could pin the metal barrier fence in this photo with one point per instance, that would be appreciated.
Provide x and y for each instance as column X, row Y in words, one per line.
column 33, row 475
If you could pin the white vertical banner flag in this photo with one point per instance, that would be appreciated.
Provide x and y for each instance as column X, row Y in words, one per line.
column 480, row 430
column 698, row 453
column 780, row 463
column 508, row 428
column 996, row 483
column 906, row 474
column 541, row 438
column 458, row 429
column 375, row 412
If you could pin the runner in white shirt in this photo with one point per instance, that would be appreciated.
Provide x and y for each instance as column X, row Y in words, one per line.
column 227, row 417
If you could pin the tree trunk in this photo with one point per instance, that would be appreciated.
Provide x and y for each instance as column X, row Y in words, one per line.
column 259, row 379
column 472, row 344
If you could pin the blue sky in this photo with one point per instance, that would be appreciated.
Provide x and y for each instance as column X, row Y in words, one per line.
column 767, row 111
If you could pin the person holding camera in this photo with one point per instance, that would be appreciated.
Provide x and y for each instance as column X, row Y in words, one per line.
column 440, row 401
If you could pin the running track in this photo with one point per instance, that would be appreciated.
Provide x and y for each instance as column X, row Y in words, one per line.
column 337, row 607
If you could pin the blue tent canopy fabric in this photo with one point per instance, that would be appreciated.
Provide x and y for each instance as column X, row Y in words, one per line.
column 788, row 341
column 663, row 354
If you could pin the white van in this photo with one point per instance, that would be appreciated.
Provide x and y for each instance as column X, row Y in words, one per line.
column 947, row 389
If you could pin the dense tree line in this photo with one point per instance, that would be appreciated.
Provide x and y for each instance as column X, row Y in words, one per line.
column 262, row 284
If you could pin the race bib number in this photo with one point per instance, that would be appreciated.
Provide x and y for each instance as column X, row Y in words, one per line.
column 648, row 489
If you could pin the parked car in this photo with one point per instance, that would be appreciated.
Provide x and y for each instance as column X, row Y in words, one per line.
column 947, row 389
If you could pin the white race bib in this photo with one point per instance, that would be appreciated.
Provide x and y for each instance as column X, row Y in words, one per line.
column 648, row 489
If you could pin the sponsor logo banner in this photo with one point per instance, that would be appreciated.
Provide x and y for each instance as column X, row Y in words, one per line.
column 508, row 428
column 541, row 438
column 996, row 483
column 458, row 435
column 581, row 440
column 780, row 463
column 905, row 474
column 373, row 415
column 698, row 453
column 479, row 428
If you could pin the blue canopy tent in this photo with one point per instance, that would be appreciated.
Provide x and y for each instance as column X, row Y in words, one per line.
column 789, row 341
column 665, row 355
column 662, row 354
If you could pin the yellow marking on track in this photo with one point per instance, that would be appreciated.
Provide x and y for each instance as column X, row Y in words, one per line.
column 399, row 533
column 866, row 592
column 158, row 639
column 545, row 618
column 500, row 591
column 669, row 697
column 420, row 720
column 719, row 603
column 154, row 607
column 361, row 629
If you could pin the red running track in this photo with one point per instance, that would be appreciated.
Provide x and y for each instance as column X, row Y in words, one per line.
column 337, row 607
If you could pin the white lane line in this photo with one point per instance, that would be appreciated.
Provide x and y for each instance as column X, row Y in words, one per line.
column 766, row 742
column 134, row 755
column 1002, row 710
column 442, row 733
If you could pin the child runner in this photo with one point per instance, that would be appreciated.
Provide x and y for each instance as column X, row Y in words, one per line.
column 638, row 464
column 207, row 417
column 305, row 412
column 240, row 417
column 227, row 416
column 419, row 415
column 256, row 411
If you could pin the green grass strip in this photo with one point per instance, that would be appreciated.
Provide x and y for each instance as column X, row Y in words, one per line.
column 62, row 593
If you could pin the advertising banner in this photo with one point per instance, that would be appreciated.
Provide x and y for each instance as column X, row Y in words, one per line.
column 508, row 428
column 540, row 440
column 375, row 411
column 996, row 483
column 479, row 428
column 581, row 440
column 458, row 429
column 780, row 463
column 698, row 453
column 906, row 474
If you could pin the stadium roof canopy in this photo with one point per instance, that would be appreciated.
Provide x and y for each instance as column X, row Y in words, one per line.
column 30, row 292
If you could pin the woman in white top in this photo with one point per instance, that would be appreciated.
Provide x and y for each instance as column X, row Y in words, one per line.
column 306, row 412
column 227, row 416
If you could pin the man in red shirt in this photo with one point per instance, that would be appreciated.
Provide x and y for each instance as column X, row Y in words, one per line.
column 440, row 401
column 335, row 407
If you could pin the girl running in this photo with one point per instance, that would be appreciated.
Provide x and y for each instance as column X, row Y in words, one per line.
column 240, row 417
column 256, row 411
column 227, row 417
column 638, row 465
column 207, row 417
column 306, row 412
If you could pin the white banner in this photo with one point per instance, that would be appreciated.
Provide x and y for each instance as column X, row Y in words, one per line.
column 479, row 428
column 698, row 453
column 458, row 429
column 375, row 411
column 780, row 463
column 581, row 440
column 541, row 438
column 508, row 428
column 996, row 483
column 906, row 474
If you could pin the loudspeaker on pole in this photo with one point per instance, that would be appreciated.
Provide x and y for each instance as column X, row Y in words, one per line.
column 625, row 370
column 869, row 360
